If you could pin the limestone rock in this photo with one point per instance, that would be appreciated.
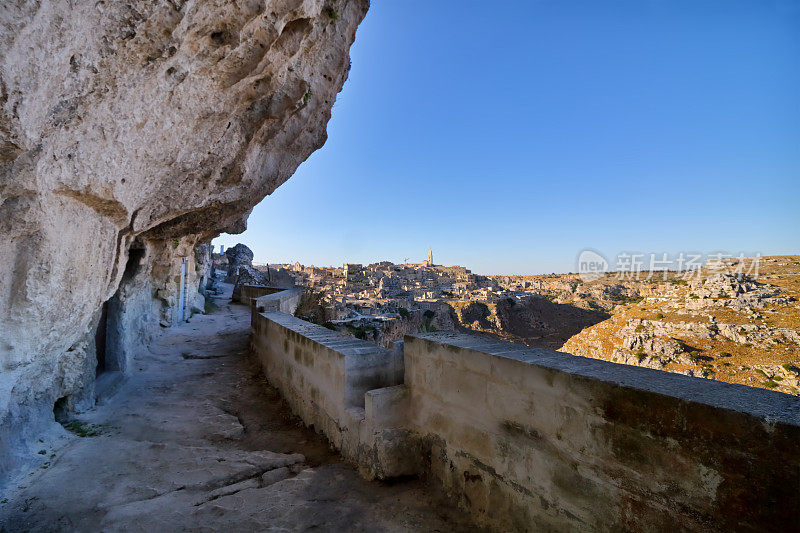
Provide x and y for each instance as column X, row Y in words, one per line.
column 237, row 256
column 247, row 275
column 129, row 133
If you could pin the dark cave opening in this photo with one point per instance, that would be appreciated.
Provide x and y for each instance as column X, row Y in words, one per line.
column 109, row 328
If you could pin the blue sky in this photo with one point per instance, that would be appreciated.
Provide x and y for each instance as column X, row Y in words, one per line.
column 510, row 136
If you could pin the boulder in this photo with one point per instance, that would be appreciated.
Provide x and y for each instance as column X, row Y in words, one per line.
column 237, row 256
column 248, row 275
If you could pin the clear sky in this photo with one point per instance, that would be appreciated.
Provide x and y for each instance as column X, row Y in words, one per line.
column 509, row 136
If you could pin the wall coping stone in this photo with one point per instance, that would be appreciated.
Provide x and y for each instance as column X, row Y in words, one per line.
column 335, row 341
column 761, row 403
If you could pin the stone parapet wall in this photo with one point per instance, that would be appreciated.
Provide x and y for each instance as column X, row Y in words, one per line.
column 530, row 439
column 324, row 376
column 277, row 300
column 251, row 292
column 534, row 439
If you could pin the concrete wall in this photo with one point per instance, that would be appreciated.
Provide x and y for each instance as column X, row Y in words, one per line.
column 528, row 439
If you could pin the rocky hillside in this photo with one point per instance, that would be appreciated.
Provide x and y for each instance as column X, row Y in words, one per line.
column 716, row 324
column 535, row 320
column 603, row 294
column 129, row 133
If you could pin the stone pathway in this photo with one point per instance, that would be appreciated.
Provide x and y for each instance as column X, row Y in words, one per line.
column 196, row 441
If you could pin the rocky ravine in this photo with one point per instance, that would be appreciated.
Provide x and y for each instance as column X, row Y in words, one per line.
column 129, row 133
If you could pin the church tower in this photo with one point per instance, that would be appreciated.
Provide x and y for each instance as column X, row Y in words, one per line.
column 430, row 257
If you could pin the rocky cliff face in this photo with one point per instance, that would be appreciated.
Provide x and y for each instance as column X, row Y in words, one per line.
column 130, row 132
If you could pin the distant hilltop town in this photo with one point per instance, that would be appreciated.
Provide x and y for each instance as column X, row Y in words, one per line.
column 385, row 287
column 384, row 301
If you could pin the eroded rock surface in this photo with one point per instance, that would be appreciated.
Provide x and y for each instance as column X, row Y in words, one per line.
column 129, row 133
column 247, row 275
column 237, row 256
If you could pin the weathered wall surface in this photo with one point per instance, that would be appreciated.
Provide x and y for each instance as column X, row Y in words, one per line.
column 324, row 376
column 536, row 440
column 152, row 124
column 273, row 299
column 248, row 293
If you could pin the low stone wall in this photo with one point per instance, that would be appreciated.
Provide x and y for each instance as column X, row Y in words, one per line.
column 529, row 439
column 324, row 376
column 251, row 292
column 279, row 300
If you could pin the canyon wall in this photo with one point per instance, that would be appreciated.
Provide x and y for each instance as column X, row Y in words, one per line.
column 130, row 132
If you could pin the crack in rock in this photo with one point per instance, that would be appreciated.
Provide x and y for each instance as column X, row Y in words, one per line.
column 258, row 481
column 195, row 356
column 253, row 472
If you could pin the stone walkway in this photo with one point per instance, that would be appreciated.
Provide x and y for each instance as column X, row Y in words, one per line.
column 196, row 441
